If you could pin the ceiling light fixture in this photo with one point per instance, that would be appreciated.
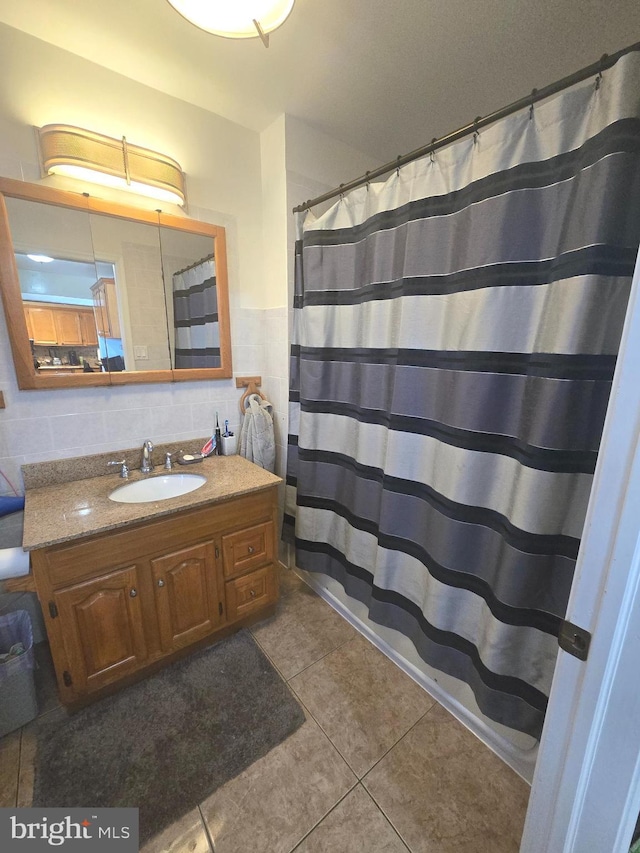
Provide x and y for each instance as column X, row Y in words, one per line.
column 236, row 19
column 40, row 259
column 98, row 159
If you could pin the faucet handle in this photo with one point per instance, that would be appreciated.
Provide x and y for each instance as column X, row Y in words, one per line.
column 167, row 461
column 124, row 471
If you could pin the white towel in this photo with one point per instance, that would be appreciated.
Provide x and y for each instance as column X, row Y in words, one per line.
column 257, row 441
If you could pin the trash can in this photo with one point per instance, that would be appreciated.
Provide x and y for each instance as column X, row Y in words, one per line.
column 17, row 686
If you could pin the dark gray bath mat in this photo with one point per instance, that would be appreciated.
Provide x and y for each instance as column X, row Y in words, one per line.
column 165, row 744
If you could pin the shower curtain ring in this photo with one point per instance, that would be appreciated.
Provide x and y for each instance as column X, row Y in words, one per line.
column 341, row 192
column 366, row 174
column 534, row 92
column 398, row 166
column 476, row 132
column 432, row 155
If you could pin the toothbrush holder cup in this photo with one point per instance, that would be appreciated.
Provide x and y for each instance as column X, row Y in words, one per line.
column 229, row 445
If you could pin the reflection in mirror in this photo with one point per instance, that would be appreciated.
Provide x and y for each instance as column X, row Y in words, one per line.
column 126, row 295
column 55, row 262
column 191, row 298
column 147, row 302
column 59, row 312
column 136, row 288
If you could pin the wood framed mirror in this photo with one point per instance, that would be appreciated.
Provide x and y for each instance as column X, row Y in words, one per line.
column 97, row 293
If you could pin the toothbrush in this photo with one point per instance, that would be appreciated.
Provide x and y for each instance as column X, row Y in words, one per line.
column 226, row 428
column 218, row 437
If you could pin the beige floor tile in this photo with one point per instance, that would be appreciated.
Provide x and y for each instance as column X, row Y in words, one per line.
column 445, row 792
column 303, row 630
column 290, row 582
column 273, row 804
column 186, row 835
column 362, row 700
column 356, row 825
column 9, row 769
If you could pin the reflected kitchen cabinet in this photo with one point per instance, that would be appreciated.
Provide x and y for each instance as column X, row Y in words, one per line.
column 88, row 328
column 41, row 324
column 68, row 327
column 49, row 324
column 105, row 304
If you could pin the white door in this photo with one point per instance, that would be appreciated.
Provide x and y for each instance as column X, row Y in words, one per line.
column 586, row 789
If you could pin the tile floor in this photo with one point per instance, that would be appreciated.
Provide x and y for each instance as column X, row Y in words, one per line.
column 378, row 766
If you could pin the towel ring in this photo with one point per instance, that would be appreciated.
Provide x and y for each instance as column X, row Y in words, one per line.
column 251, row 383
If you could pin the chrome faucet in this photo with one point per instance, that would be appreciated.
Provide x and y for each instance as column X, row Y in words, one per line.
column 147, row 465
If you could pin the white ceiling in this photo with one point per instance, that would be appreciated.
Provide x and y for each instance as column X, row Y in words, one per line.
column 384, row 76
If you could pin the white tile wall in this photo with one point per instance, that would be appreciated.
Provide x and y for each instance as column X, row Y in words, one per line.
column 41, row 425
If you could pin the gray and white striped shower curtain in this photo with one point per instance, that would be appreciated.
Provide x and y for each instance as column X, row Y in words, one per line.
column 455, row 337
column 195, row 313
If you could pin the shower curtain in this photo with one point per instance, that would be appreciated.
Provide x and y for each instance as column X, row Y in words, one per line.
column 195, row 310
column 455, row 337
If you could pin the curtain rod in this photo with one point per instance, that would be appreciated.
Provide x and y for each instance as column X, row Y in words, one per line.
column 195, row 264
column 536, row 95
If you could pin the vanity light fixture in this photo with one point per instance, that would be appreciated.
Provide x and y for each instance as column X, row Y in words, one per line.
column 236, row 19
column 98, row 159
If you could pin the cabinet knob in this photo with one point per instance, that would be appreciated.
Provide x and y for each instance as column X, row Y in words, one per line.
column 252, row 593
column 133, row 592
column 251, row 549
column 160, row 582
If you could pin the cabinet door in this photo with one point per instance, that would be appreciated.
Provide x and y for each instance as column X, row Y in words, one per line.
column 42, row 325
column 68, row 327
column 88, row 328
column 101, row 623
column 187, row 602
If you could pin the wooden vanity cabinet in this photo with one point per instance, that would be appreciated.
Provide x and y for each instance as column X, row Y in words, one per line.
column 247, row 586
column 120, row 603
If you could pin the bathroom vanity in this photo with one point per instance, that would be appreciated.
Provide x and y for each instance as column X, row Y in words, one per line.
column 130, row 587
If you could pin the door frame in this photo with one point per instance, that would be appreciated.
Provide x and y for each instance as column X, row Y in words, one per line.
column 585, row 796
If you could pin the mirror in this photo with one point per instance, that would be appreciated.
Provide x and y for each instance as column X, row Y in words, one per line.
column 97, row 293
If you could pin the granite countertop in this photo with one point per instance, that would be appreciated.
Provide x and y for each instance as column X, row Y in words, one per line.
column 66, row 511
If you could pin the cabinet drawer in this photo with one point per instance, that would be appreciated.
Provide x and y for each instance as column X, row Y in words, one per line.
column 250, row 592
column 247, row 549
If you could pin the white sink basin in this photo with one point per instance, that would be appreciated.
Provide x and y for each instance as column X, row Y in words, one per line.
column 157, row 488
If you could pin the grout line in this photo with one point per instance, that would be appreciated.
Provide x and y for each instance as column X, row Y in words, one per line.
column 400, row 739
column 333, row 807
column 312, row 715
column 319, row 725
column 206, row 830
column 402, row 841
column 389, row 821
column 322, row 657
